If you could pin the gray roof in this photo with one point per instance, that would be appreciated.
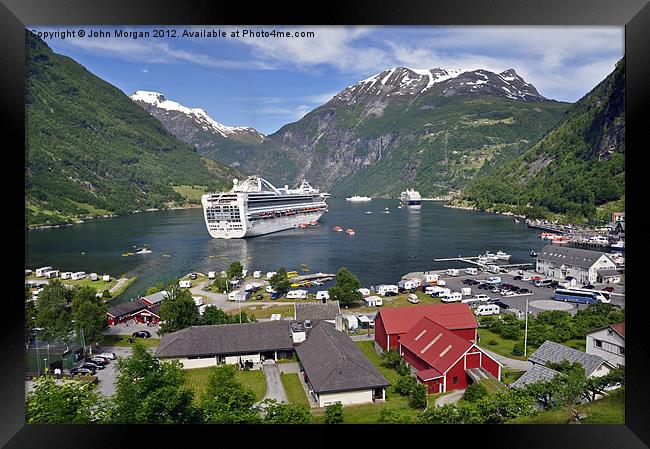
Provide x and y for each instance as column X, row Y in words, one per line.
column 333, row 362
column 569, row 256
column 608, row 272
column 316, row 310
column 536, row 374
column 556, row 353
column 127, row 308
column 221, row 339
column 155, row 297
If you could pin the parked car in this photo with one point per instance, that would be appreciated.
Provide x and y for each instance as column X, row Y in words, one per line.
column 607, row 289
column 192, row 276
column 98, row 360
column 81, row 370
column 389, row 293
column 535, row 278
column 92, row 365
column 413, row 299
column 275, row 295
column 468, row 281
column 501, row 304
column 108, row 355
column 517, row 278
column 553, row 284
column 524, row 290
column 141, row 334
column 589, row 286
column 259, row 297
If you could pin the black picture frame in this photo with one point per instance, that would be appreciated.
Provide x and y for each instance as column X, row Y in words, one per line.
column 633, row 14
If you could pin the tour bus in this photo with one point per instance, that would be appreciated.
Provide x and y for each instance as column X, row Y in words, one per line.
column 577, row 296
column 606, row 296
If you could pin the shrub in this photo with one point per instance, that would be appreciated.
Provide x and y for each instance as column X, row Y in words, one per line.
column 493, row 342
column 474, row 392
column 405, row 385
column 418, row 396
column 334, row 413
column 518, row 349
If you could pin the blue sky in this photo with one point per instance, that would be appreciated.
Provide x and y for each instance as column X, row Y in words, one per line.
column 268, row 82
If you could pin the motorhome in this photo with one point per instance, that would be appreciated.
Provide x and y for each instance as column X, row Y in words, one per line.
column 466, row 291
column 385, row 288
column 452, row 272
column 481, row 297
column 212, row 274
column 322, row 294
column 431, row 278
column 493, row 269
column 185, row 284
column 487, row 309
column 364, row 292
column 471, row 271
column 297, row 294
column 452, row 297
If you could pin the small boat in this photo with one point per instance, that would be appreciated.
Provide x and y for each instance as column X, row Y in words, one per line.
column 533, row 253
column 369, row 212
column 303, row 225
column 386, row 211
column 349, row 231
column 306, row 270
column 167, row 255
column 295, row 285
column 143, row 251
column 127, row 254
column 502, row 256
column 516, row 221
column 399, row 207
column 337, row 228
column 318, row 283
column 358, row 199
column 314, row 223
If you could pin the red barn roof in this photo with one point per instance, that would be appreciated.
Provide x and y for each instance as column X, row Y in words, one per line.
column 435, row 345
column 398, row 320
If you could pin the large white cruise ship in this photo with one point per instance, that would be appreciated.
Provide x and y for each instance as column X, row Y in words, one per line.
column 256, row 207
column 411, row 198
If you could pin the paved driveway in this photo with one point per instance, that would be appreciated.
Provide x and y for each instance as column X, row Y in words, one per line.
column 274, row 387
column 216, row 299
column 450, row 398
column 106, row 376
column 514, row 364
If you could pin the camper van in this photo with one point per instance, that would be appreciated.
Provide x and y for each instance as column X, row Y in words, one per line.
column 487, row 309
column 384, row 288
column 364, row 292
column 543, row 282
column 471, row 271
column 452, row 297
column 452, row 272
column 40, row 272
column 322, row 294
column 297, row 294
column 493, row 280
column 185, row 284
column 372, row 301
column 238, row 295
column 78, row 275
column 493, row 269
column 408, row 284
column 431, row 278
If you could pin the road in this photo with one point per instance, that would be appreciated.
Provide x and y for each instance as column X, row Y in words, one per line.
column 106, row 376
column 513, row 364
column 216, row 299
column 118, row 285
column 450, row 398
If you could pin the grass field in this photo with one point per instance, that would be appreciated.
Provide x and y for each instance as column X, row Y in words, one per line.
column 253, row 380
column 608, row 410
column 504, row 346
column 286, row 310
column 122, row 341
column 293, row 388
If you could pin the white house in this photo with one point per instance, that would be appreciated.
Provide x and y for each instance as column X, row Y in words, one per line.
column 609, row 343
column 559, row 262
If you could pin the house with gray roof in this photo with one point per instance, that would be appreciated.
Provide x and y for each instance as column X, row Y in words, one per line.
column 155, row 298
column 316, row 311
column 125, row 311
column 202, row 346
column 336, row 370
column 561, row 261
column 551, row 352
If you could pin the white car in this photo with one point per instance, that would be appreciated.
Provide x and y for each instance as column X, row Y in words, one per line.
column 413, row 299
column 108, row 355
column 481, row 297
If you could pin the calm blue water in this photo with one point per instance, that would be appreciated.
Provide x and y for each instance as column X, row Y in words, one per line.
column 385, row 247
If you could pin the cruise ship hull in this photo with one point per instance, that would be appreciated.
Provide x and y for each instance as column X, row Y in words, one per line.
column 266, row 227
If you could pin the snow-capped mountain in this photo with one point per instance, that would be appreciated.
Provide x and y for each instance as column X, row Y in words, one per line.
column 185, row 122
column 403, row 81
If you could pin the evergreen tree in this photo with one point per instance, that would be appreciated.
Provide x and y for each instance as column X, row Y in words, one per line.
column 346, row 289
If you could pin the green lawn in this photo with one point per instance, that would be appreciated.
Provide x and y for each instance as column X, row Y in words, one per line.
column 259, row 312
column 608, row 410
column 503, row 346
column 122, row 340
column 253, row 380
column 293, row 388
column 508, row 376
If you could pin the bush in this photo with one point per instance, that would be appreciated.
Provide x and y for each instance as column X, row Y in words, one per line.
column 474, row 392
column 405, row 385
column 334, row 413
column 403, row 369
column 493, row 342
column 518, row 349
column 388, row 416
column 418, row 396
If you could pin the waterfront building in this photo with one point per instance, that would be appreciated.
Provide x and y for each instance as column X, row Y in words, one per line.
column 583, row 265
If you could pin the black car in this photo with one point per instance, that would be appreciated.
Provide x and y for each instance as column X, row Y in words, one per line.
column 524, row 290
column 141, row 334
column 98, row 360
column 553, row 284
column 517, row 278
column 467, row 281
column 502, row 304
column 390, row 294
column 474, row 282
column 192, row 276
column 91, row 365
column 259, row 297
column 81, row 370
column 590, row 287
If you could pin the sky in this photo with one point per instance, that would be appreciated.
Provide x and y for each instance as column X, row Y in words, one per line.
column 266, row 82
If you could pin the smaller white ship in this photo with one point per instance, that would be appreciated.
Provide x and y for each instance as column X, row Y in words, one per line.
column 502, row 256
column 411, row 197
column 143, row 250
column 358, row 199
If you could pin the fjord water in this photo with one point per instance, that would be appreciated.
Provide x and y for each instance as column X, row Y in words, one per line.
column 385, row 247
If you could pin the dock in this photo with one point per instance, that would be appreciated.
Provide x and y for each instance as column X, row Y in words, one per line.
column 471, row 260
column 313, row 276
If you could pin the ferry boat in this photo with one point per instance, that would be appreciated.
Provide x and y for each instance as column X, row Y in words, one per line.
column 256, row 207
column 502, row 256
column 411, row 197
column 358, row 199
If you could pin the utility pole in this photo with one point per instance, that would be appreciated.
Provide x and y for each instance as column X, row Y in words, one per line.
column 526, row 330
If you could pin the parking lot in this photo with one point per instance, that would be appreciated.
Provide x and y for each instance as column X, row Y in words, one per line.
column 106, row 376
column 541, row 298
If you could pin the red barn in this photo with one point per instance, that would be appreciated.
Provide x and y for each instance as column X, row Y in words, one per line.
column 393, row 322
column 148, row 315
column 444, row 361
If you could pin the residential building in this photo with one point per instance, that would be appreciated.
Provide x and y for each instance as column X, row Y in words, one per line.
column 609, row 343
column 393, row 322
column 121, row 313
column 336, row 370
column 551, row 352
column 609, row 276
column 442, row 360
column 559, row 262
column 316, row 311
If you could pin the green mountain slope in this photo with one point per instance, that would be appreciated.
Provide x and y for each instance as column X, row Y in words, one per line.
column 90, row 150
column 577, row 170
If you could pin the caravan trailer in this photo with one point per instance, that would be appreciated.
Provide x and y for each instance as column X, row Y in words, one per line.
column 297, row 294
column 40, row 272
column 364, row 292
column 322, row 294
column 383, row 289
column 408, row 284
column 52, row 274
column 471, row 271
column 452, row 297
column 78, row 275
column 185, row 284
column 452, row 272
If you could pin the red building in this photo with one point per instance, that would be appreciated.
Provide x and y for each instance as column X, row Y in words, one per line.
column 124, row 312
column 444, row 361
column 148, row 315
column 393, row 322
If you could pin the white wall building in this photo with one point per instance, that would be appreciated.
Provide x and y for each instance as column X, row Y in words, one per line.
column 559, row 262
column 608, row 343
